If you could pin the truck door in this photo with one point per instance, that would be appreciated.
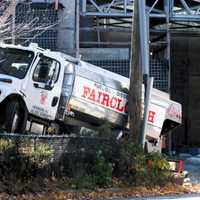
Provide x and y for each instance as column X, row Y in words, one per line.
column 44, row 88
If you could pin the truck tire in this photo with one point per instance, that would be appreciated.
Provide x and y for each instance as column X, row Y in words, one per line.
column 16, row 118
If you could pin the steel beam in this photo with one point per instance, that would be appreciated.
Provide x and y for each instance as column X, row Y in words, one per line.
column 91, row 8
column 183, row 18
column 183, row 12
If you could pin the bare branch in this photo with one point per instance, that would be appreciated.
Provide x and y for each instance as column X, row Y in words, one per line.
column 8, row 11
column 23, row 29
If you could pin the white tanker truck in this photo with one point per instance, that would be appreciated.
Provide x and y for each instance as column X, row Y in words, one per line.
column 49, row 87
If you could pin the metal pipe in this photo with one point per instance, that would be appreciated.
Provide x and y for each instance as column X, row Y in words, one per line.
column 110, row 5
column 146, row 109
column 77, row 28
column 118, row 14
column 171, row 6
column 125, row 6
column 144, row 32
column 152, row 7
column 167, row 11
column 84, row 4
column 187, row 8
column 185, row 18
column 96, row 6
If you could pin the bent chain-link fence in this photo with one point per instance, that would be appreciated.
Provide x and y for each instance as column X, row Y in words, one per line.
column 61, row 155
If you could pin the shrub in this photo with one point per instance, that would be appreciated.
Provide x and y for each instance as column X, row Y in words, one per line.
column 89, row 165
column 86, row 182
column 138, row 167
column 158, row 169
column 131, row 161
column 102, row 171
column 5, row 145
column 97, row 173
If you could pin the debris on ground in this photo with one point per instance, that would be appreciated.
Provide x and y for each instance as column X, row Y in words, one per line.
column 100, row 193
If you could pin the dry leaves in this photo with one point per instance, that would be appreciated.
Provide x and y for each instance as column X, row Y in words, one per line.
column 103, row 193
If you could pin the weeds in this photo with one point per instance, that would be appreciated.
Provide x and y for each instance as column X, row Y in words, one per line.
column 85, row 168
column 141, row 168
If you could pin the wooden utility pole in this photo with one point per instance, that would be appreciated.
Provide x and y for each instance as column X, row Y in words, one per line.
column 139, row 68
column 135, row 92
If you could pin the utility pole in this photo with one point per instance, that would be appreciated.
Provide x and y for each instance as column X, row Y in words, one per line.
column 139, row 69
column 135, row 92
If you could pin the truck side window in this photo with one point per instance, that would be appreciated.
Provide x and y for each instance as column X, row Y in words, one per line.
column 46, row 70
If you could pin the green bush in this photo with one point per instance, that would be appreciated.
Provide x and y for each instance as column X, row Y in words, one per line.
column 5, row 145
column 102, row 170
column 97, row 173
column 131, row 161
column 140, row 168
column 23, row 161
column 86, row 182
column 41, row 154
column 158, row 169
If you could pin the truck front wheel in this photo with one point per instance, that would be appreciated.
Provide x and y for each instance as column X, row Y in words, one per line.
column 16, row 118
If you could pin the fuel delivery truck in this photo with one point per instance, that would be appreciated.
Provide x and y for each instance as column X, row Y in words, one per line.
column 54, row 89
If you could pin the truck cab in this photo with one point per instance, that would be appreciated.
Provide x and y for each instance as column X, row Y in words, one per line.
column 30, row 85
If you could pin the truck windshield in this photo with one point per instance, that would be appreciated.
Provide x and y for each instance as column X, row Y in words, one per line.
column 15, row 62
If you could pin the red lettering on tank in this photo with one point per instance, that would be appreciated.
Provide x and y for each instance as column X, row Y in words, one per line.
column 120, row 107
column 99, row 97
column 151, row 116
column 113, row 102
column 86, row 91
column 92, row 95
column 105, row 99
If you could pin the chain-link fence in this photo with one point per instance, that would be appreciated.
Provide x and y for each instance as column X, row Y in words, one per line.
column 158, row 70
column 61, row 155
column 41, row 20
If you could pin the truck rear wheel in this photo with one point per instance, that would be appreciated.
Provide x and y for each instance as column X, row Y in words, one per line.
column 16, row 118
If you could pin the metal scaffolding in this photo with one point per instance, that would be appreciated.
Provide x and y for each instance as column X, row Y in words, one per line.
column 117, row 15
column 160, row 13
column 162, row 17
column 178, row 10
column 184, row 10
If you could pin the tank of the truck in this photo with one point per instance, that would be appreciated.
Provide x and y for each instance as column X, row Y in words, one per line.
column 99, row 95
column 95, row 95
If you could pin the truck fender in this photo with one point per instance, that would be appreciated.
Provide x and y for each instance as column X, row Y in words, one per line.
column 168, row 125
column 17, row 97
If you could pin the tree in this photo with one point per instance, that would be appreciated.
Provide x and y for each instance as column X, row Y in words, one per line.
column 28, row 29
